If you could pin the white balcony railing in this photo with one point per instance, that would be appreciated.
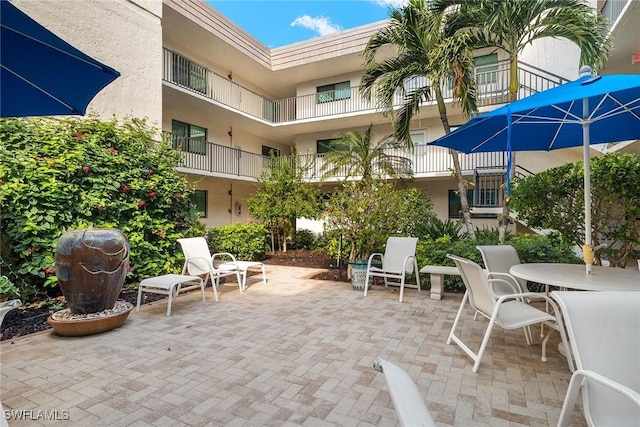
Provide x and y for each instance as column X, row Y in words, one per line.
column 492, row 88
column 209, row 157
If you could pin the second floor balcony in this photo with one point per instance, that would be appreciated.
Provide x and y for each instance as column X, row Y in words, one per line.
column 492, row 87
column 208, row 158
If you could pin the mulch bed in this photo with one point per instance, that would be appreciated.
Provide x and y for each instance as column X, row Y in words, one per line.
column 32, row 318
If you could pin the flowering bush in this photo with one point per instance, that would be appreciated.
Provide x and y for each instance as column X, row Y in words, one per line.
column 58, row 175
column 367, row 213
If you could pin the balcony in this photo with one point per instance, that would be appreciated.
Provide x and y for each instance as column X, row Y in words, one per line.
column 208, row 158
column 492, row 88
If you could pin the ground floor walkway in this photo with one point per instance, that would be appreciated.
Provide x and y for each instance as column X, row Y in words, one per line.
column 293, row 352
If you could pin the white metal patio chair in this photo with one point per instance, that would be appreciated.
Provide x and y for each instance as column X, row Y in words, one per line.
column 399, row 258
column 604, row 333
column 199, row 262
column 498, row 259
column 506, row 311
column 409, row 405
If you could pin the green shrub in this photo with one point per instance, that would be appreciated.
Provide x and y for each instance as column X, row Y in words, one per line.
column 62, row 174
column 303, row 239
column 336, row 247
column 530, row 248
column 436, row 228
column 248, row 242
column 8, row 289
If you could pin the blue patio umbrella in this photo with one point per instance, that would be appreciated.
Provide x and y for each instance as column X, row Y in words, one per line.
column 589, row 110
column 41, row 74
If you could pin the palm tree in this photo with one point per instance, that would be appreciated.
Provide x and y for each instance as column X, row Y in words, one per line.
column 425, row 60
column 354, row 154
column 511, row 25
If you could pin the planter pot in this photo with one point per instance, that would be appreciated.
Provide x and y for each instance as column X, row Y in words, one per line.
column 358, row 275
column 91, row 266
column 89, row 326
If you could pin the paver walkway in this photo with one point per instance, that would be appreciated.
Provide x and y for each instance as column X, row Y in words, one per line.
column 293, row 352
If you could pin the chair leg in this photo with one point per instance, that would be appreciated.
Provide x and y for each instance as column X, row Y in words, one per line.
column 264, row 275
column 483, row 346
column 401, row 287
column 415, row 268
column 214, row 285
column 544, row 345
column 527, row 335
column 204, row 301
column 457, row 319
column 366, row 281
column 139, row 298
column 241, row 275
column 172, row 291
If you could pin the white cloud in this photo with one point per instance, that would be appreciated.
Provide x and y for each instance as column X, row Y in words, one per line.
column 390, row 3
column 320, row 24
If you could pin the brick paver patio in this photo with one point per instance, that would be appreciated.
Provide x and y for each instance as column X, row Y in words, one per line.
column 293, row 352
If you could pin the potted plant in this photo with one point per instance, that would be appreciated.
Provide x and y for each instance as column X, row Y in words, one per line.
column 363, row 215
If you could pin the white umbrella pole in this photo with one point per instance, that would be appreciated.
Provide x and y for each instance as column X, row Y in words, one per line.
column 587, row 249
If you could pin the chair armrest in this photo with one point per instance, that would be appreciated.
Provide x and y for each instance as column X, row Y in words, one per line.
column 411, row 409
column 372, row 256
column 506, row 277
column 407, row 266
column 220, row 255
column 574, row 388
column 516, row 289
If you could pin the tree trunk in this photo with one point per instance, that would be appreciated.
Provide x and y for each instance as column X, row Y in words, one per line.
column 462, row 184
column 462, row 191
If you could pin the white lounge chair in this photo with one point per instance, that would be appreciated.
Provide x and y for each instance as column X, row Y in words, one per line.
column 409, row 405
column 604, row 332
column 220, row 259
column 507, row 311
column 199, row 262
column 498, row 259
column 399, row 258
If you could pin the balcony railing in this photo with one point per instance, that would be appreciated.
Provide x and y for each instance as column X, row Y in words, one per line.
column 492, row 88
column 613, row 8
column 209, row 157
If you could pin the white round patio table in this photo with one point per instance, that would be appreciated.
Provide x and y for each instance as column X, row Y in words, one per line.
column 574, row 276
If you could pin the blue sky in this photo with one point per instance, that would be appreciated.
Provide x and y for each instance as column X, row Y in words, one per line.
column 280, row 22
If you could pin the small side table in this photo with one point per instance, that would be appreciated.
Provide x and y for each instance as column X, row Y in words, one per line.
column 171, row 285
column 437, row 278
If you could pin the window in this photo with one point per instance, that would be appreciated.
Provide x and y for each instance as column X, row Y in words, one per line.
column 486, row 68
column 189, row 74
column 334, row 92
column 487, row 198
column 419, row 137
column 267, row 151
column 455, row 207
column 199, row 198
column 325, row 145
column 189, row 138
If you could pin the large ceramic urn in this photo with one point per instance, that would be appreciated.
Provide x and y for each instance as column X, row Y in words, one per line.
column 91, row 265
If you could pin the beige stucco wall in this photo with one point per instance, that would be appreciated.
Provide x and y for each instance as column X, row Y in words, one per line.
column 222, row 197
column 124, row 34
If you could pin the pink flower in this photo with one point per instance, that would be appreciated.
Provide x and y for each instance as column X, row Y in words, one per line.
column 151, row 194
column 80, row 136
column 50, row 270
column 150, row 171
column 124, row 188
column 112, row 150
column 86, row 169
column 31, row 250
